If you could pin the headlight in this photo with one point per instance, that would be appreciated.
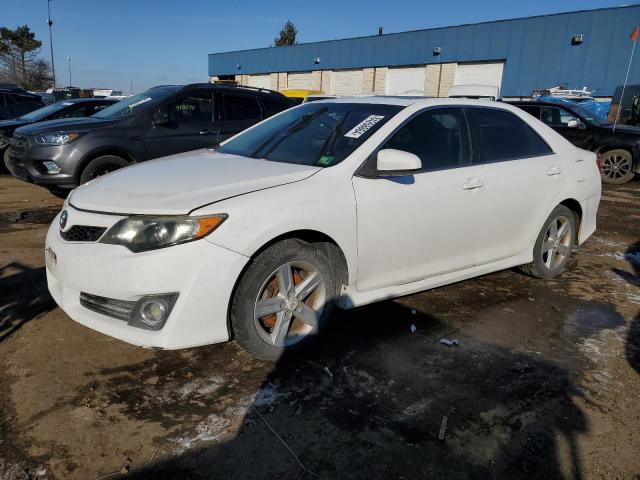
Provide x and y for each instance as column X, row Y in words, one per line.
column 58, row 138
column 141, row 233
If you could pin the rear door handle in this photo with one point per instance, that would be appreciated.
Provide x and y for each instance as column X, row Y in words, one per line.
column 472, row 183
column 554, row 171
column 205, row 132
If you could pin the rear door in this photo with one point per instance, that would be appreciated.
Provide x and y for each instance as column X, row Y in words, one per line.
column 522, row 178
column 189, row 126
column 239, row 111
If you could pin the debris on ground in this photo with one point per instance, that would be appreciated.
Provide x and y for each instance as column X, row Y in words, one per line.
column 443, row 428
column 449, row 343
column 413, row 328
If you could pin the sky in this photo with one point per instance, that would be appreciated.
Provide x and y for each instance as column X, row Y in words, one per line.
column 151, row 42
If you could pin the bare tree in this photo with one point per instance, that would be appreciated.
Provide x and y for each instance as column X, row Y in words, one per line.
column 19, row 61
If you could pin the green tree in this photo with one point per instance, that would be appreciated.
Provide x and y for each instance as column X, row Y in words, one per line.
column 287, row 35
column 19, row 50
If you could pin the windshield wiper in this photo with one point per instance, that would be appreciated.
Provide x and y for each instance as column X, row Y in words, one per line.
column 327, row 148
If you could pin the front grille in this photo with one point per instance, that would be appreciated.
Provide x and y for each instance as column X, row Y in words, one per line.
column 120, row 309
column 82, row 233
column 17, row 145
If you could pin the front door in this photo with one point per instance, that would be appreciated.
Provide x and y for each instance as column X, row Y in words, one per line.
column 188, row 125
column 421, row 225
column 558, row 118
column 239, row 112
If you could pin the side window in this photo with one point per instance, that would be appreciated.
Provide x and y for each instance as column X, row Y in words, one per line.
column 274, row 105
column 438, row 136
column 531, row 110
column 2, row 100
column 556, row 117
column 500, row 135
column 9, row 99
column 240, row 107
column 196, row 108
column 74, row 112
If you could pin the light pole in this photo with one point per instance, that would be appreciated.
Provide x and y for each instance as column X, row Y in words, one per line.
column 50, row 23
column 69, row 58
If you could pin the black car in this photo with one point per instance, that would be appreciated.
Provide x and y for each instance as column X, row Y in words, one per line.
column 618, row 150
column 61, row 154
column 15, row 102
column 78, row 107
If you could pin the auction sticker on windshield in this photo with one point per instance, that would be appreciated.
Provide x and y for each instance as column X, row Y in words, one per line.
column 363, row 126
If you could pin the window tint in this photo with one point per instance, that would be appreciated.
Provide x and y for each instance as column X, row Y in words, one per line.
column 501, row 135
column 196, row 108
column 239, row 107
column 555, row 116
column 9, row 99
column 2, row 100
column 531, row 110
column 274, row 105
column 439, row 137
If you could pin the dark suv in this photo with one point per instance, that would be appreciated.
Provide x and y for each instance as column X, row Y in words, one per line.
column 15, row 102
column 618, row 149
column 77, row 107
column 61, row 154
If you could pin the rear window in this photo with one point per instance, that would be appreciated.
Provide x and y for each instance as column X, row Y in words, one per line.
column 502, row 136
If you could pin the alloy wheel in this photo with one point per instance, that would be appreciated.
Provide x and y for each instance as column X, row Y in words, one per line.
column 616, row 164
column 556, row 246
column 290, row 303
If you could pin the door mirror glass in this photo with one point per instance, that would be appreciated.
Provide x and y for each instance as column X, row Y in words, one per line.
column 160, row 118
column 391, row 161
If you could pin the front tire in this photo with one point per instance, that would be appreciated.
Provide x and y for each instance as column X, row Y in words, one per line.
column 553, row 245
column 283, row 299
column 617, row 166
column 101, row 166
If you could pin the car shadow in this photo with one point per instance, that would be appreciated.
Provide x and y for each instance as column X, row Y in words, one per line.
column 632, row 344
column 23, row 296
column 378, row 396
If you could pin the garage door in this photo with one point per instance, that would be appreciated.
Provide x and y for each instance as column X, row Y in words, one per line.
column 406, row 81
column 486, row 73
column 299, row 81
column 346, row 82
column 260, row 81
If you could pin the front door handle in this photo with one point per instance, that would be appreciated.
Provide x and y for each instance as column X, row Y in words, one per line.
column 472, row 183
column 554, row 171
column 205, row 132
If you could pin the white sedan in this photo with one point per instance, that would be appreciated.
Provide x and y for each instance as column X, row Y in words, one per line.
column 340, row 202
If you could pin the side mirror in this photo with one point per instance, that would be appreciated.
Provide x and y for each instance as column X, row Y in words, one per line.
column 160, row 118
column 392, row 162
column 573, row 123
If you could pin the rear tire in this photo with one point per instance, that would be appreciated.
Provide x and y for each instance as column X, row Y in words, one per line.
column 554, row 244
column 101, row 166
column 292, row 283
column 5, row 164
column 617, row 166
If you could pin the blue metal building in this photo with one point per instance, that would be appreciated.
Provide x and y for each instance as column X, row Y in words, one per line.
column 585, row 48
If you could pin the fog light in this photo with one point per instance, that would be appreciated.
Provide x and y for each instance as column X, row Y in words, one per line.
column 52, row 167
column 151, row 312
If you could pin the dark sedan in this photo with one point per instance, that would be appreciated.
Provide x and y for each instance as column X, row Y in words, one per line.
column 77, row 107
column 618, row 149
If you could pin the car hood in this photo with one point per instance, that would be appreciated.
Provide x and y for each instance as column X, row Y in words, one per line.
column 181, row 183
column 11, row 124
column 84, row 123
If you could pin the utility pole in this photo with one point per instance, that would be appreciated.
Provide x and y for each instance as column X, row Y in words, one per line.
column 50, row 23
column 69, row 58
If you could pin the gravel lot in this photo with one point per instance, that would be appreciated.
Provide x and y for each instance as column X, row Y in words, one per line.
column 544, row 382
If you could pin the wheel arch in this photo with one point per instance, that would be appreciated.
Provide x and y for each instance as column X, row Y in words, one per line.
column 117, row 152
column 608, row 147
column 328, row 246
column 574, row 205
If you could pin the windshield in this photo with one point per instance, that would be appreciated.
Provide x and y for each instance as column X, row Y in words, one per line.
column 318, row 134
column 132, row 104
column 587, row 115
column 42, row 113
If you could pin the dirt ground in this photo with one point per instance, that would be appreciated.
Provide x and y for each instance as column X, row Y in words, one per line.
column 544, row 382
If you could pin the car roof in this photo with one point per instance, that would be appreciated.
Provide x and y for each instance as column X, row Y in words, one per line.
column 420, row 101
column 86, row 100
